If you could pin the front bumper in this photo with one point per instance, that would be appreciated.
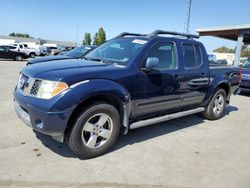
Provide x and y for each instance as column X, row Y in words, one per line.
column 40, row 118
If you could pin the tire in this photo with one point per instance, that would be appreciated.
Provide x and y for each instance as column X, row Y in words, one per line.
column 32, row 55
column 18, row 58
column 216, row 107
column 95, row 131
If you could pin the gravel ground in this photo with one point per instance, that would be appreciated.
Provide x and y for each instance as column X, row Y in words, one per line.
column 186, row 152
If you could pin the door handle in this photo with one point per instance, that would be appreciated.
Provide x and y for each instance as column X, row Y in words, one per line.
column 202, row 75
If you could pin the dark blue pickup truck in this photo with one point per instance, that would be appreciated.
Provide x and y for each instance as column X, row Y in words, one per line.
column 130, row 81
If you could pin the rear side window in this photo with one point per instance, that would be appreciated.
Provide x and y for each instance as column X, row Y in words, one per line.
column 192, row 55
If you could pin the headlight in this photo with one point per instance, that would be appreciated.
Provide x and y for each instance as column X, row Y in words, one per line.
column 49, row 89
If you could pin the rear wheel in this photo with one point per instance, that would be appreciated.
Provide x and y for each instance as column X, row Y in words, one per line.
column 216, row 106
column 32, row 55
column 18, row 58
column 95, row 131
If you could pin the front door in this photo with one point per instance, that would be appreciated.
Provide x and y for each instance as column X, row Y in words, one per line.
column 158, row 89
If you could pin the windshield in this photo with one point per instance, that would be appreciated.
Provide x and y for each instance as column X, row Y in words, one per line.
column 246, row 64
column 77, row 52
column 117, row 51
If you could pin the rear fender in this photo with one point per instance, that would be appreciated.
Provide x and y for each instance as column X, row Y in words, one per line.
column 216, row 82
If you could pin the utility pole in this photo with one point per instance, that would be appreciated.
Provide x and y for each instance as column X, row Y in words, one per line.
column 77, row 30
column 187, row 19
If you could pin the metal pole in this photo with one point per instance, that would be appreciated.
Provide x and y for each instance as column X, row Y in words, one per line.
column 188, row 13
column 238, row 49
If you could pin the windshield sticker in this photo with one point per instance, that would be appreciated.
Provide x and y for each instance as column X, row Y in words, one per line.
column 139, row 41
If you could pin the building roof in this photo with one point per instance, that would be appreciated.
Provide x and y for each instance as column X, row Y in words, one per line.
column 39, row 41
column 228, row 32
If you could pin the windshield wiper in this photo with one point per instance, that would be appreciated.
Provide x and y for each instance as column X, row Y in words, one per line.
column 98, row 60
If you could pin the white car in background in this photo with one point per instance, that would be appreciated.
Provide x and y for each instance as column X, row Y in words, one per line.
column 20, row 47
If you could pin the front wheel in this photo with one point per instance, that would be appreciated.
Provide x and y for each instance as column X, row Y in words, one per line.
column 95, row 131
column 216, row 107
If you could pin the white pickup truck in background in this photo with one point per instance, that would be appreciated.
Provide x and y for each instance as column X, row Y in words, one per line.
column 20, row 47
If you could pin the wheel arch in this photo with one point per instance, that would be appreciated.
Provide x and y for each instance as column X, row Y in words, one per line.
column 115, row 95
column 223, row 84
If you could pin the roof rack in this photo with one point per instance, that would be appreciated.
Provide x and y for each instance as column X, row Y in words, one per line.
column 159, row 32
column 130, row 34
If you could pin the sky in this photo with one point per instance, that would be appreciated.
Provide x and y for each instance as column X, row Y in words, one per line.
column 64, row 19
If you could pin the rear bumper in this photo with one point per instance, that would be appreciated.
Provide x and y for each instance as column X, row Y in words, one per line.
column 39, row 118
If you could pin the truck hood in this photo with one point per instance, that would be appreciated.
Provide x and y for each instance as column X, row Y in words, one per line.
column 47, row 58
column 71, row 70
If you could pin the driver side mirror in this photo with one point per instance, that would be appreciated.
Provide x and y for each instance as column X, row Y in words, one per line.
column 151, row 62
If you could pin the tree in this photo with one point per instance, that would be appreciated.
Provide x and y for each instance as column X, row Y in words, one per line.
column 19, row 35
column 224, row 49
column 96, row 39
column 12, row 34
column 245, row 51
column 102, row 35
column 87, row 39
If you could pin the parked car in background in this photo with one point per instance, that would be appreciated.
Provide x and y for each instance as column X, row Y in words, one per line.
column 131, row 81
column 222, row 62
column 8, row 53
column 20, row 47
column 72, row 54
column 245, row 82
column 212, row 59
column 56, row 50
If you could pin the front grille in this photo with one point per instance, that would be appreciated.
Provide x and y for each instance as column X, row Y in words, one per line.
column 35, row 87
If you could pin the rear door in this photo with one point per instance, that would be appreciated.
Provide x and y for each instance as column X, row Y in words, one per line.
column 194, row 77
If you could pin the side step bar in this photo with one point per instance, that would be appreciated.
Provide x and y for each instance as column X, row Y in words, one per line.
column 151, row 121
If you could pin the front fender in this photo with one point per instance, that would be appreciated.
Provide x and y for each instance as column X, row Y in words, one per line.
column 81, row 91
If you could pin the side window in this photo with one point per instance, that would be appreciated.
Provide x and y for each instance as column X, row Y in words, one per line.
column 21, row 46
column 2, row 49
column 192, row 55
column 189, row 55
column 198, row 55
column 165, row 52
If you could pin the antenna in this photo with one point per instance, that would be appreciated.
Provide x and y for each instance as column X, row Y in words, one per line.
column 188, row 13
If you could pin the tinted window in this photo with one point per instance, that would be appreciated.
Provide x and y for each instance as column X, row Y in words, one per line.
column 2, row 49
column 77, row 52
column 198, row 55
column 192, row 55
column 189, row 55
column 165, row 52
column 117, row 51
